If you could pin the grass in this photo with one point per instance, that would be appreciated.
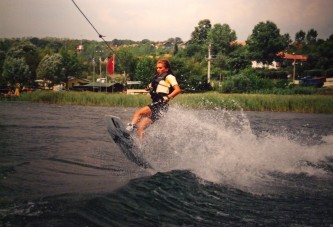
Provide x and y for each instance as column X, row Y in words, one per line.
column 86, row 98
column 260, row 102
column 208, row 100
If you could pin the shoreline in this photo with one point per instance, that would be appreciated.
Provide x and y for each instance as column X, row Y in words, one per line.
column 210, row 100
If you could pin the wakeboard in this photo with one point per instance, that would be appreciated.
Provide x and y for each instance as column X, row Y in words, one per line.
column 124, row 141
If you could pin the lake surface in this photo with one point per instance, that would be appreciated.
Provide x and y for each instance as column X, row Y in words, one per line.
column 60, row 167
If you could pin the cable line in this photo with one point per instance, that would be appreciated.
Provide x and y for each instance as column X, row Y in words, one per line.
column 99, row 34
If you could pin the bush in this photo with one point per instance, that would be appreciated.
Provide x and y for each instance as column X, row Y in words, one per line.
column 292, row 90
column 273, row 74
column 312, row 73
column 236, row 84
column 245, row 84
column 281, row 84
column 329, row 73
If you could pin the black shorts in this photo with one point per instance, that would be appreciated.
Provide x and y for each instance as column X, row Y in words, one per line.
column 158, row 109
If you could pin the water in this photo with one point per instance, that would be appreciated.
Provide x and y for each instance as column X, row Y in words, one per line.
column 59, row 167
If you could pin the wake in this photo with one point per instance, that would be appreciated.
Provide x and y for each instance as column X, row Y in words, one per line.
column 219, row 146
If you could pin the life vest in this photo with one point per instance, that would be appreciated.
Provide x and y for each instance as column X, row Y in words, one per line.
column 159, row 87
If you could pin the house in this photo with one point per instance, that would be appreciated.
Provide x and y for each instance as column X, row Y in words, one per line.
column 276, row 65
column 273, row 65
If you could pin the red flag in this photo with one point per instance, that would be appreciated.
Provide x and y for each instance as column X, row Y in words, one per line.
column 110, row 66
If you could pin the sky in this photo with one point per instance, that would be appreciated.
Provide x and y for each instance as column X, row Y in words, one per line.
column 158, row 20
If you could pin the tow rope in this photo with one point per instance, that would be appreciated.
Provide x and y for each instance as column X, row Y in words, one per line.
column 99, row 34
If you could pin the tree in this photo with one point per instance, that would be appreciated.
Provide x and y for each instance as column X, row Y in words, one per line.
column 195, row 50
column 5, row 44
column 221, row 36
column 175, row 49
column 15, row 70
column 325, row 49
column 51, row 68
column 265, row 42
column 125, row 62
column 71, row 65
column 178, row 40
column 145, row 70
column 238, row 59
column 287, row 39
column 311, row 36
column 145, row 41
column 2, row 60
column 29, row 52
column 190, row 73
column 300, row 36
column 200, row 33
column 325, row 53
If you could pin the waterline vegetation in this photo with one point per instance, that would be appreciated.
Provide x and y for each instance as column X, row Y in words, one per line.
column 207, row 100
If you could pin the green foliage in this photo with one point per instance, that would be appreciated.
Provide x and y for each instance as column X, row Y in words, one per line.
column 238, row 59
column 290, row 90
column 265, row 42
column 126, row 62
column 220, row 36
column 311, row 36
column 189, row 63
column 72, row 65
column 196, row 51
column 145, row 49
column 256, row 81
column 200, row 33
column 6, row 44
column 281, row 84
column 258, row 102
column 118, row 42
column 313, row 73
column 145, row 69
column 175, row 49
column 245, row 83
column 86, row 98
column 268, row 73
column 29, row 53
column 190, row 74
column 2, row 60
column 209, row 100
column 237, row 84
column 325, row 49
column 178, row 68
column 329, row 72
column 15, row 70
column 51, row 68
column 300, row 36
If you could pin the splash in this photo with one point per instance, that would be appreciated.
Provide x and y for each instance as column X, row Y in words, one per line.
column 219, row 146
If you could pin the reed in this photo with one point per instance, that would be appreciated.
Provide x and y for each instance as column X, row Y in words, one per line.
column 86, row 98
column 259, row 102
column 208, row 100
